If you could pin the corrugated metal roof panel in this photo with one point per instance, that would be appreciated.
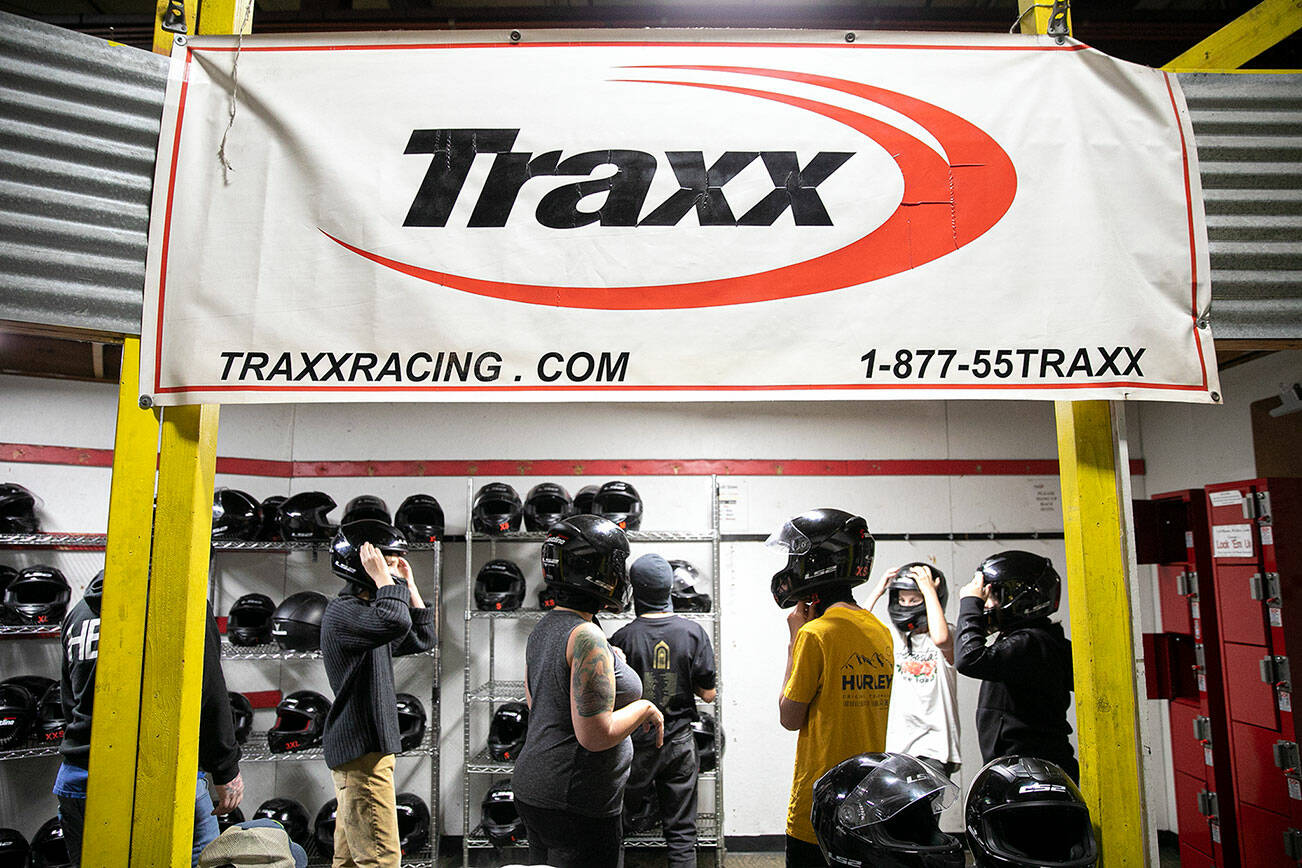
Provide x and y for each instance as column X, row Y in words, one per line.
column 78, row 131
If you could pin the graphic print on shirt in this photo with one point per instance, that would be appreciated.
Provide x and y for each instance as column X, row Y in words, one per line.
column 84, row 645
column 660, row 682
column 918, row 666
column 866, row 680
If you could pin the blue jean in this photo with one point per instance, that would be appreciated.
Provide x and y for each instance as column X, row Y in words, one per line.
column 72, row 816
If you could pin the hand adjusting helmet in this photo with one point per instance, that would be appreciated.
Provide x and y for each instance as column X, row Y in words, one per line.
column 684, row 595
column 296, row 623
column 619, row 502
column 38, row 595
column 236, row 515
column 366, row 506
column 411, row 721
column 545, row 504
column 1027, row 813
column 879, row 810
column 300, row 723
column 908, row 619
column 346, row 549
column 703, row 731
column 496, row 509
column 500, row 818
column 499, row 586
column 583, row 563
column 825, row 547
column 303, row 517
column 249, row 621
column 420, row 518
column 290, row 814
column 507, row 732
column 1025, row 588
column 413, row 824
column 18, row 509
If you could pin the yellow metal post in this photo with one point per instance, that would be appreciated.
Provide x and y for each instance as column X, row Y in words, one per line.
column 172, row 679
column 1247, row 36
column 218, row 17
column 107, row 832
column 163, row 38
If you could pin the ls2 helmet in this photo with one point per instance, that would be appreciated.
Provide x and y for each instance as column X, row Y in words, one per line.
column 413, row 823
column 703, row 731
column 17, row 714
column 545, row 504
column 501, row 820
column 683, row 594
column 496, row 509
column 296, row 623
column 13, row 849
column 879, row 810
column 346, row 549
column 366, row 506
column 1025, row 587
column 506, row 734
column 323, row 829
column 825, row 547
column 583, row 562
column 411, row 721
column 420, row 518
column 289, row 814
column 300, row 723
column 18, row 509
column 249, row 621
column 303, row 517
column 49, row 849
column 235, row 515
column 1026, row 813
column 619, row 502
column 499, row 586
column 50, row 721
column 241, row 715
column 583, row 499
column 908, row 619
column 38, row 595
column 270, row 531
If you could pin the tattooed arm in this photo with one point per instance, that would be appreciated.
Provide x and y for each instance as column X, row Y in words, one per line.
column 598, row 725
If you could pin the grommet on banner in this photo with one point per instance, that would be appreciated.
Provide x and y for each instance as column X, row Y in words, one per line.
column 515, row 36
column 1203, row 322
column 179, row 39
column 850, row 37
column 146, row 402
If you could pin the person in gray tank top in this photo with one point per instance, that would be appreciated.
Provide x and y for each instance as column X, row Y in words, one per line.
column 584, row 704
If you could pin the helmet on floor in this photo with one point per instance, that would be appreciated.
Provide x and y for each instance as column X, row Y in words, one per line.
column 545, row 504
column 303, row 517
column 346, row 549
column 296, row 623
column 619, row 502
column 13, row 849
column 413, row 823
column 1024, row 812
column 289, row 814
column 38, row 595
column 880, row 810
column 684, row 595
column 411, row 721
column 323, row 829
column 496, row 509
column 583, row 499
column 583, row 563
column 241, row 715
column 235, row 515
column 270, row 530
column 825, row 547
column 18, row 509
column 249, row 621
column 908, row 619
column 507, row 731
column 499, row 586
column 50, row 721
column 501, row 820
column 225, row 821
column 366, row 506
column 1025, row 588
column 17, row 714
column 49, row 850
column 300, row 723
column 420, row 518
column 703, row 731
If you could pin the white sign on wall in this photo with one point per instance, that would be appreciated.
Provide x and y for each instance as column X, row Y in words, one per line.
column 454, row 217
column 1232, row 540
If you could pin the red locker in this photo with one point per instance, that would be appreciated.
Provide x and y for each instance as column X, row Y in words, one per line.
column 1263, row 838
column 1259, row 780
column 1193, row 809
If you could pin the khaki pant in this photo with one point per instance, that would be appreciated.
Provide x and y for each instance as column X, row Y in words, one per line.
column 366, row 824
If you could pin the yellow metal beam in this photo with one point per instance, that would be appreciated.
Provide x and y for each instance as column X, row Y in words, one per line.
column 1247, row 36
column 1033, row 16
column 172, row 680
column 107, row 832
column 163, row 38
column 219, row 17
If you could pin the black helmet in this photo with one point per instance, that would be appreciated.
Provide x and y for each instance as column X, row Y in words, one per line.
column 824, row 547
column 50, row 721
column 421, row 518
column 619, row 502
column 501, row 820
column 289, row 814
column 323, row 830
column 249, row 621
column 270, row 531
column 366, row 506
column 910, row 618
column 507, row 732
column 546, row 598
column 346, row 549
column 296, row 623
column 1025, row 587
column 880, row 809
column 413, row 823
column 235, row 515
column 411, row 721
column 703, row 731
column 49, row 850
column 499, row 586
column 1026, row 812
column 684, row 595
column 585, row 555
column 303, row 517
column 300, row 722
column 17, row 714
column 545, row 504
column 18, row 509
column 38, row 595
column 583, row 499
column 241, row 715
column 225, row 821
column 13, row 849
column 7, row 575
column 496, row 509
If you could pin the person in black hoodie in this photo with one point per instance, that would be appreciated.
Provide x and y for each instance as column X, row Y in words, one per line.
column 1026, row 672
column 219, row 754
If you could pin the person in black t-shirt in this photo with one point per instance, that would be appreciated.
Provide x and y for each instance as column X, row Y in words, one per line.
column 675, row 660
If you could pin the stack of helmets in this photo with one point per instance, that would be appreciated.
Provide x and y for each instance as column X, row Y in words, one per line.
column 291, row 815
column 619, row 502
column 236, row 515
column 346, row 549
column 411, row 721
column 38, row 595
column 303, row 517
column 366, row 506
column 300, row 722
column 413, row 824
column 508, row 730
column 684, row 595
column 14, row 849
column 703, row 731
column 420, row 518
column 499, row 586
column 270, row 531
column 249, row 621
column 544, row 505
column 496, row 509
column 296, row 623
column 241, row 715
column 499, row 816
column 18, row 509
column 49, row 850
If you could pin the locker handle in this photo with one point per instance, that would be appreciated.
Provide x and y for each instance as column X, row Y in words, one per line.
column 1264, row 587
column 1293, row 844
column 1200, row 656
column 1286, row 755
column 1256, row 588
column 1208, row 804
column 1202, row 728
column 1186, row 584
column 1275, row 670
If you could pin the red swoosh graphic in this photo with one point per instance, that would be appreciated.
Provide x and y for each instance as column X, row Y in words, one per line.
column 945, row 205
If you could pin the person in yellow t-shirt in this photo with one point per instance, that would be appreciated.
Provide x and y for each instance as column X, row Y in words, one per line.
column 837, row 688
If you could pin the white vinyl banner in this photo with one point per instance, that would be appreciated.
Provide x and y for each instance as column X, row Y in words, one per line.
column 673, row 216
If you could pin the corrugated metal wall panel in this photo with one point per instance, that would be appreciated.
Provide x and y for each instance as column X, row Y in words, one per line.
column 78, row 131
column 1248, row 129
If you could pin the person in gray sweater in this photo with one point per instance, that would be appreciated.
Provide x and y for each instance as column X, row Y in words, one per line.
column 379, row 614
